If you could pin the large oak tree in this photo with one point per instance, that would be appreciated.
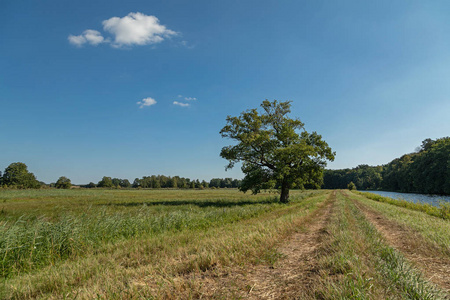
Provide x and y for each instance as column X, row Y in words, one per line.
column 275, row 150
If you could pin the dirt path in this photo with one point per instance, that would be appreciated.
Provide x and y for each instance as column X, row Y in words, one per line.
column 290, row 277
column 295, row 273
column 434, row 265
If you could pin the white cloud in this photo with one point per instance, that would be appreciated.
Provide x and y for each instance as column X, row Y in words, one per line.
column 181, row 104
column 136, row 29
column 90, row 36
column 93, row 37
column 146, row 102
column 77, row 40
column 133, row 29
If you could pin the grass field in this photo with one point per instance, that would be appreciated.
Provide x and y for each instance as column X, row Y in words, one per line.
column 169, row 244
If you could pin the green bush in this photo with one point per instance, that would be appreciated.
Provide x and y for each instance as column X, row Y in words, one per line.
column 351, row 186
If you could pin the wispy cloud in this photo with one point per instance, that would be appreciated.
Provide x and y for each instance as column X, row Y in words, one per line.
column 146, row 102
column 181, row 104
column 90, row 36
column 187, row 45
column 131, row 30
column 187, row 98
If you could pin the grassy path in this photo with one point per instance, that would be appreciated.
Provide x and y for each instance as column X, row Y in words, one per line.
column 293, row 271
column 337, row 254
column 428, row 256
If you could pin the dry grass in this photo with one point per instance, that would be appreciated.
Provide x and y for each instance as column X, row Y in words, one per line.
column 226, row 245
column 156, row 265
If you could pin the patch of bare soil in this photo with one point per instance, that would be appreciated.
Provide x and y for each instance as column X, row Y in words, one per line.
column 427, row 257
column 291, row 277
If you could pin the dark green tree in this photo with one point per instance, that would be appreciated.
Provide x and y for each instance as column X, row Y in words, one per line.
column 105, row 182
column 204, row 184
column 136, row 183
column 63, row 183
column 125, row 183
column 275, row 150
column 116, row 182
column 17, row 175
column 156, row 183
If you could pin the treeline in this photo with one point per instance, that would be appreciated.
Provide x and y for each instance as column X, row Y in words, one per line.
column 425, row 171
column 161, row 181
column 17, row 176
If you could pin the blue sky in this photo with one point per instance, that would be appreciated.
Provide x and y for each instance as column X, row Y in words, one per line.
column 79, row 80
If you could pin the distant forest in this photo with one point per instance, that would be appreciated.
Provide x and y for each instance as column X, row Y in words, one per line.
column 161, row 181
column 425, row 171
column 17, row 176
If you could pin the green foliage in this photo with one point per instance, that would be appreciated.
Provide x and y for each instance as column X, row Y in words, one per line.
column 63, row 183
column 224, row 183
column 351, row 186
column 363, row 176
column 16, row 175
column 161, row 181
column 426, row 171
column 275, row 150
column 106, row 182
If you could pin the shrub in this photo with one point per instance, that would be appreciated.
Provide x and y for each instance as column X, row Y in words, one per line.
column 351, row 186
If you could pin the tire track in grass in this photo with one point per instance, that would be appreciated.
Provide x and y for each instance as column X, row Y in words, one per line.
column 285, row 272
column 295, row 271
column 434, row 265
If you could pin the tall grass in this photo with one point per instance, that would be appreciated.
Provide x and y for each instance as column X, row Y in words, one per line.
column 159, row 265
column 31, row 243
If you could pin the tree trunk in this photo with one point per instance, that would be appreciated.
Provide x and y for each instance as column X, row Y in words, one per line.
column 284, row 197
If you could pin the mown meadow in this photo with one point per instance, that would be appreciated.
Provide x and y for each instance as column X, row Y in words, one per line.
column 170, row 244
column 56, row 240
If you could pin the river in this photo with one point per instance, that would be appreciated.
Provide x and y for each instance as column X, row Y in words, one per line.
column 423, row 198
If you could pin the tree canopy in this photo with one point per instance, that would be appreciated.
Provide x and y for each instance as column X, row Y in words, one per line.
column 425, row 171
column 17, row 175
column 275, row 150
column 63, row 183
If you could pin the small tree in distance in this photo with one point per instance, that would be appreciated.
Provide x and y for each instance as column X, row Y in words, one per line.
column 105, row 182
column 275, row 150
column 351, row 186
column 63, row 183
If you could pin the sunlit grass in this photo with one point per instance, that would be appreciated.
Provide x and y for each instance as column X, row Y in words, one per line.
column 357, row 263
column 159, row 245
column 434, row 229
